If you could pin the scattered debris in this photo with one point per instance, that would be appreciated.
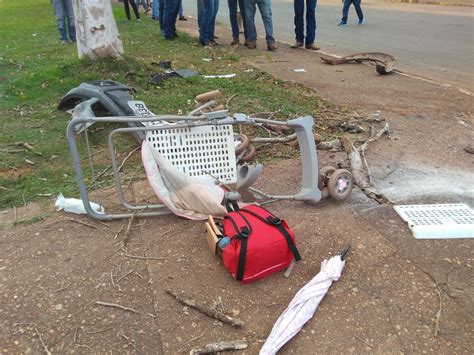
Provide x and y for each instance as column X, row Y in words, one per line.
column 46, row 350
column 360, row 167
column 236, row 322
column 442, row 221
column 225, row 76
column 114, row 305
column 469, row 149
column 81, row 222
column 384, row 63
column 180, row 73
column 75, row 205
column 300, row 70
column 131, row 342
column 351, row 127
column 220, row 346
column 142, row 257
column 334, row 144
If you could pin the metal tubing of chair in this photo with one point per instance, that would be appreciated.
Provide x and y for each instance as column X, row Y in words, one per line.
column 80, row 176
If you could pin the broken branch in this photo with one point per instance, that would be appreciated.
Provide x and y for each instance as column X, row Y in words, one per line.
column 46, row 350
column 126, row 158
column 106, row 304
column 359, row 165
column 220, row 346
column 81, row 222
column 289, row 138
column 142, row 257
column 205, row 310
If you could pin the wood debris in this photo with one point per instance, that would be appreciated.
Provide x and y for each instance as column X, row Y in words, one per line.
column 220, row 346
column 236, row 322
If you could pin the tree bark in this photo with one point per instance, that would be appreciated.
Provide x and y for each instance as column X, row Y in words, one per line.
column 96, row 30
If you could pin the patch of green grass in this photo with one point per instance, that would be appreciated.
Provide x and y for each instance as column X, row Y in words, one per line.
column 31, row 220
column 36, row 72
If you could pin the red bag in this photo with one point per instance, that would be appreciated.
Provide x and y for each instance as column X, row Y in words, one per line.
column 260, row 244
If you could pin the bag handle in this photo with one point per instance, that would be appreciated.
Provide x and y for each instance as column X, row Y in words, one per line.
column 275, row 221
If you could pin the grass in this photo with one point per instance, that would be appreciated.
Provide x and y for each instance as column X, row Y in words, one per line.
column 36, row 72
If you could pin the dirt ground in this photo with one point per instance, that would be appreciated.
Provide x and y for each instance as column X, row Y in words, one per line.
column 394, row 289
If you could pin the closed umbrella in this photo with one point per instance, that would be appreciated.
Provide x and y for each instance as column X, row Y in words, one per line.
column 302, row 307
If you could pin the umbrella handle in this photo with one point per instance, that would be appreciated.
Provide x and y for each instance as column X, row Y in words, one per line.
column 344, row 251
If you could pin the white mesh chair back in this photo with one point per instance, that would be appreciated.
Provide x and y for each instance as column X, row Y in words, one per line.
column 199, row 151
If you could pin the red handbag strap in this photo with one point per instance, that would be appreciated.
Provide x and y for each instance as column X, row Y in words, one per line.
column 243, row 233
column 275, row 221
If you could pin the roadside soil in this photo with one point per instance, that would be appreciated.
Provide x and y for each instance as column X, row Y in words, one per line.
column 393, row 292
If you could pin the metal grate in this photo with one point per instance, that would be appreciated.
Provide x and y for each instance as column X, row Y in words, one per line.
column 438, row 221
column 199, row 151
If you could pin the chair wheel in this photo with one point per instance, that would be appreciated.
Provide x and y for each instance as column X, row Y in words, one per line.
column 324, row 174
column 340, row 184
column 242, row 146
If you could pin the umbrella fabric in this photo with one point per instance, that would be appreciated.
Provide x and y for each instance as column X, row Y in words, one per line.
column 303, row 305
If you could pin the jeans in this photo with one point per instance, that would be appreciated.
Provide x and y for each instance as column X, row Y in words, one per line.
column 207, row 11
column 310, row 21
column 234, row 24
column 181, row 11
column 170, row 13
column 134, row 7
column 345, row 10
column 63, row 11
column 265, row 8
column 144, row 4
column 155, row 10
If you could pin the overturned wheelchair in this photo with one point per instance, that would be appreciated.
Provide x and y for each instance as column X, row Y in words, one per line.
column 194, row 163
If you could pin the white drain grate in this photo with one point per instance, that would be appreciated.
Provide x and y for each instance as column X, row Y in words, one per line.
column 438, row 221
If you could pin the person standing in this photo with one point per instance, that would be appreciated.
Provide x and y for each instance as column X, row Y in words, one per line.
column 170, row 14
column 155, row 10
column 126, row 4
column 207, row 11
column 144, row 4
column 181, row 13
column 301, row 40
column 345, row 12
column 234, row 20
column 64, row 13
column 265, row 8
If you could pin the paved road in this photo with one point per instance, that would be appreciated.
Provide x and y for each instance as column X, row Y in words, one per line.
column 433, row 45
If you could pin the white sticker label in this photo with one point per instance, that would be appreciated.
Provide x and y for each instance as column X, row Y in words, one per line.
column 139, row 108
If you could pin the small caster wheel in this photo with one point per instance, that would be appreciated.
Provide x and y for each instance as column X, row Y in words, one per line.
column 245, row 141
column 249, row 154
column 323, row 176
column 340, row 184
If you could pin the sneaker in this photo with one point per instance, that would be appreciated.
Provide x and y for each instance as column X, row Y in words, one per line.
column 235, row 42
column 362, row 22
column 251, row 45
column 183, row 18
column 297, row 44
column 271, row 47
column 63, row 42
column 312, row 47
column 342, row 24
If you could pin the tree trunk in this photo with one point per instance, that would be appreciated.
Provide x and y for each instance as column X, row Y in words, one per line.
column 96, row 30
